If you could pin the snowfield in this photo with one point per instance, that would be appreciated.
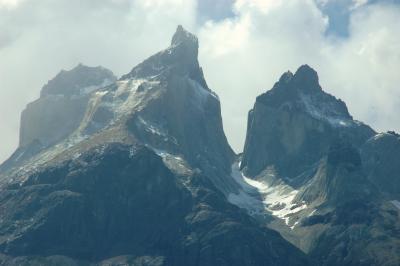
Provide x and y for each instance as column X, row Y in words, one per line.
column 258, row 198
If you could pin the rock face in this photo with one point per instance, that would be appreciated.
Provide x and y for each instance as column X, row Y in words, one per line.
column 186, row 117
column 59, row 110
column 140, row 179
column 123, row 200
column 138, row 171
column 62, row 104
column 80, row 80
column 339, row 178
column 380, row 156
column 292, row 126
column 329, row 184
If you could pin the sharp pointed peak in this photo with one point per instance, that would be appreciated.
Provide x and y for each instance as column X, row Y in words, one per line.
column 286, row 77
column 183, row 36
column 307, row 75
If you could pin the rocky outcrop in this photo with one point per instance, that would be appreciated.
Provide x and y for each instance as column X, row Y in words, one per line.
column 122, row 200
column 62, row 105
column 139, row 172
column 380, row 156
column 140, row 180
column 58, row 112
column 293, row 125
column 320, row 174
column 77, row 81
column 339, row 178
column 185, row 118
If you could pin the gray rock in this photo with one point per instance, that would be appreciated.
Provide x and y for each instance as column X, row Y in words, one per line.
column 313, row 145
column 293, row 125
column 380, row 156
column 121, row 204
column 140, row 180
column 58, row 112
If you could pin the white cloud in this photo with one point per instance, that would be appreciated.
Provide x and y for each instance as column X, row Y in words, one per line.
column 9, row 3
column 362, row 70
column 39, row 38
column 262, row 5
column 359, row 3
column 242, row 56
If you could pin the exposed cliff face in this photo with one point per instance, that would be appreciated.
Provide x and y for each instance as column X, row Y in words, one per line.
column 292, row 126
column 164, row 103
column 140, row 179
column 78, row 81
column 339, row 178
column 185, row 118
column 302, row 154
column 139, row 172
column 51, row 119
column 59, row 110
column 123, row 200
column 380, row 156
column 62, row 105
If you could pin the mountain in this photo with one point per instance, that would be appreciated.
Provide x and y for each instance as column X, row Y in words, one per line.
column 58, row 111
column 380, row 156
column 139, row 176
column 138, row 171
column 328, row 183
column 295, row 123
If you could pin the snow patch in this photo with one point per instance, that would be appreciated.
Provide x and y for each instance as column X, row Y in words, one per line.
column 324, row 112
column 202, row 92
column 153, row 128
column 90, row 89
column 379, row 136
column 396, row 203
column 258, row 197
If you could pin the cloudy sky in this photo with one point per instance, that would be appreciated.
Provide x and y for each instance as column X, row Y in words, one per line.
column 245, row 45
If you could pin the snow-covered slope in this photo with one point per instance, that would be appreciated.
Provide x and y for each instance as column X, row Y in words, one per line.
column 262, row 198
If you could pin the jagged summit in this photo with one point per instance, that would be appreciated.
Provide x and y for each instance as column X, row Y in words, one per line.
column 180, row 58
column 297, row 121
column 183, row 36
column 301, row 91
column 286, row 77
column 138, row 176
column 163, row 103
column 79, row 80
column 306, row 78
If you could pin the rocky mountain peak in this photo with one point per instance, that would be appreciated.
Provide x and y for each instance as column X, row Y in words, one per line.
column 286, row 77
column 164, row 103
column 182, row 36
column 79, row 80
column 180, row 58
column 306, row 79
column 303, row 118
column 301, row 92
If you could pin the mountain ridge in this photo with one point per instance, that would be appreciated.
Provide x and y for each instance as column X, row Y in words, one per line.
column 141, row 180
column 145, row 175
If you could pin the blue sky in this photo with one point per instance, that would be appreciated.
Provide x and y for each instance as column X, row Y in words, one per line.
column 338, row 11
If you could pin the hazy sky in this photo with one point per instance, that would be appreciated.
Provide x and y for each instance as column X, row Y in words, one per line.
column 245, row 45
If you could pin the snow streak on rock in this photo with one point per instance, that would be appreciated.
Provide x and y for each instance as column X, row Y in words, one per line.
column 257, row 197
